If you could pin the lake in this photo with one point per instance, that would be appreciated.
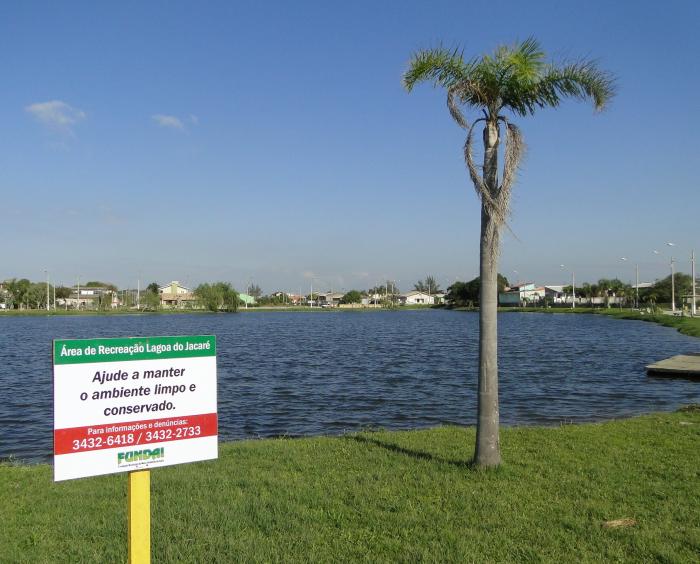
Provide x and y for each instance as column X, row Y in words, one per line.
column 292, row 373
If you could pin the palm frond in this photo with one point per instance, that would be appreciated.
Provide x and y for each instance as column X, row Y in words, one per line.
column 444, row 67
column 453, row 106
column 582, row 80
column 514, row 151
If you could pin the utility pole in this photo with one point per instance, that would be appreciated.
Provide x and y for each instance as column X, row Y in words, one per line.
column 138, row 294
column 692, row 274
column 636, row 288
column 573, row 290
column 312, row 293
column 48, row 298
column 78, row 302
column 673, row 288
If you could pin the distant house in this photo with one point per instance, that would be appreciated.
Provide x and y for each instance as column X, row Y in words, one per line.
column 176, row 295
column 554, row 293
column 87, row 297
column 417, row 297
column 521, row 294
column 285, row 297
column 246, row 299
column 329, row 298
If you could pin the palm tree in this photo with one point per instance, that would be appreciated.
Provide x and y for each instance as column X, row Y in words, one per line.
column 513, row 80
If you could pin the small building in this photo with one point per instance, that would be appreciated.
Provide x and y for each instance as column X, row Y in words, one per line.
column 329, row 299
column 88, row 297
column 416, row 297
column 246, row 299
column 521, row 294
column 175, row 295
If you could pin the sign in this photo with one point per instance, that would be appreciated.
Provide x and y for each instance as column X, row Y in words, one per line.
column 133, row 403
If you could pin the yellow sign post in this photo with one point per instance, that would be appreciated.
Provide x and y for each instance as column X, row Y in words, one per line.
column 140, row 517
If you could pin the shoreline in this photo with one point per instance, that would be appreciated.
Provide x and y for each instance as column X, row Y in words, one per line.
column 46, row 460
column 291, row 309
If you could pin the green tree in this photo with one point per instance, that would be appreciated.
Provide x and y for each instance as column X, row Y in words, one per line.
column 153, row 287
column 62, row 292
column 98, row 284
column 514, row 80
column 255, row 291
column 104, row 301
column 613, row 287
column 273, row 299
column 18, row 291
column 683, row 287
column 461, row 294
column 150, row 300
column 36, row 295
column 352, row 297
column 219, row 296
column 429, row 285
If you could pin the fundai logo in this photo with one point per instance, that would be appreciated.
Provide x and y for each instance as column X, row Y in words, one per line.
column 145, row 455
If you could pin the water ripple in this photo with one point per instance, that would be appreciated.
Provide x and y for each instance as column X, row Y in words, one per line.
column 299, row 374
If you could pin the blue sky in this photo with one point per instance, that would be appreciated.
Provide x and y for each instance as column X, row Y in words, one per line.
column 274, row 142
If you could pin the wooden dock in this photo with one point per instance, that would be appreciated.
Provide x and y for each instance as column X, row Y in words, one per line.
column 683, row 365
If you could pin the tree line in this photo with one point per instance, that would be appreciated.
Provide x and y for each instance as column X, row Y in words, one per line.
column 466, row 294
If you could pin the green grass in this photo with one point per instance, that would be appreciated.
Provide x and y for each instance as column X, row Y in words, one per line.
column 387, row 497
column 686, row 325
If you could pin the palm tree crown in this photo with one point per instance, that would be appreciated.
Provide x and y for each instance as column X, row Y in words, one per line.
column 515, row 78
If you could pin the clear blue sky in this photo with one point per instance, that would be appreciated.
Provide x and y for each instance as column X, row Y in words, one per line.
column 228, row 141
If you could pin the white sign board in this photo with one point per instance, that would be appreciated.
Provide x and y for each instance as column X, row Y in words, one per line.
column 133, row 403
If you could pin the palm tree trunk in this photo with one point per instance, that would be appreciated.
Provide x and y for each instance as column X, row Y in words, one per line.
column 487, row 452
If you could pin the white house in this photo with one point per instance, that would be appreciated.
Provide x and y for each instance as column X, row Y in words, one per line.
column 417, row 298
column 521, row 294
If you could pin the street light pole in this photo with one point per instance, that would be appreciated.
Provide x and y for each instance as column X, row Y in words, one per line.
column 692, row 274
column 48, row 298
column 673, row 288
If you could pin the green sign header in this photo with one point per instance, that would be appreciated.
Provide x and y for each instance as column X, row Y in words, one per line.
column 81, row 351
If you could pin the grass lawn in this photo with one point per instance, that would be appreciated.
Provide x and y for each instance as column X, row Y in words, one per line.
column 388, row 496
column 686, row 325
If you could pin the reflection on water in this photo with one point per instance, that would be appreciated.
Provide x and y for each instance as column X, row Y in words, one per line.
column 330, row 372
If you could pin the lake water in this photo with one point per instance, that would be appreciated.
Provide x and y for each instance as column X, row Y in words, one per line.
column 289, row 373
